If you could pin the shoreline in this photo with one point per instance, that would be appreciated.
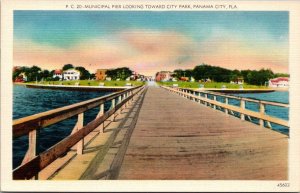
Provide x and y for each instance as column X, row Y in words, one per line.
column 119, row 88
column 241, row 90
column 75, row 87
column 249, row 90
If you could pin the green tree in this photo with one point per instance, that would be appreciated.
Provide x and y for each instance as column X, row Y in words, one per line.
column 281, row 75
column 214, row 73
column 119, row 73
column 67, row 67
column 84, row 74
column 33, row 73
column 45, row 74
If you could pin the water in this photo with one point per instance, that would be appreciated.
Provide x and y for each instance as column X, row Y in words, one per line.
column 29, row 101
column 274, row 111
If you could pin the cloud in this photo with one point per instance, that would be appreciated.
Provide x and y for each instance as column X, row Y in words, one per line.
column 149, row 51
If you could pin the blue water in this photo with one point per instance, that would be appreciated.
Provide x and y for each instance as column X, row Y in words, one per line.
column 29, row 101
column 274, row 111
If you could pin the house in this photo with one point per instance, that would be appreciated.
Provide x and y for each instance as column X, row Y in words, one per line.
column 101, row 74
column 184, row 78
column 21, row 78
column 281, row 82
column 58, row 73
column 163, row 76
column 71, row 74
column 239, row 80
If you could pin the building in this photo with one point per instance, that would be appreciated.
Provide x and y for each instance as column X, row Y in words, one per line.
column 239, row 80
column 184, row 78
column 281, row 82
column 163, row 76
column 21, row 78
column 58, row 73
column 101, row 74
column 71, row 74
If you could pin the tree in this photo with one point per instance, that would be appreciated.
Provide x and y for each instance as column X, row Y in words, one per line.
column 281, row 75
column 33, row 73
column 84, row 74
column 45, row 74
column 67, row 67
column 217, row 74
column 257, row 77
column 119, row 73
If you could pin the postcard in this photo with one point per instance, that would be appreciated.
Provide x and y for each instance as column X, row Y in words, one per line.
column 192, row 96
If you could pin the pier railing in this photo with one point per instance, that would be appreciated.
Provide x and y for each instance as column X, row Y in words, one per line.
column 33, row 162
column 202, row 97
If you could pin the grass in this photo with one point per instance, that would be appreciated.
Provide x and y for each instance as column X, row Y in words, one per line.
column 211, row 85
column 90, row 82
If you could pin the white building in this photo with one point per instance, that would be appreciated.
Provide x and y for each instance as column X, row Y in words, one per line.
column 280, row 82
column 71, row 74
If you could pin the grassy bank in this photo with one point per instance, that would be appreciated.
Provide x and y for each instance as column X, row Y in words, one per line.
column 211, row 85
column 90, row 83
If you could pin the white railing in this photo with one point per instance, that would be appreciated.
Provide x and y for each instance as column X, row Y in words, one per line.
column 202, row 97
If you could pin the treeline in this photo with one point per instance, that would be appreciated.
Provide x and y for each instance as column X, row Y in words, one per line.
column 218, row 74
column 35, row 73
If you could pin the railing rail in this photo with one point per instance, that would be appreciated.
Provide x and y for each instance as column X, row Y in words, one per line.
column 261, row 115
column 33, row 163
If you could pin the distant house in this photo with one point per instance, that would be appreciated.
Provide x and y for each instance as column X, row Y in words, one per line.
column 279, row 82
column 101, row 74
column 71, row 74
column 164, row 76
column 184, row 78
column 239, row 80
column 21, row 78
column 58, row 73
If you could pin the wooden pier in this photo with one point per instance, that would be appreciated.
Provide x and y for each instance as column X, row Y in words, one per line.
column 162, row 135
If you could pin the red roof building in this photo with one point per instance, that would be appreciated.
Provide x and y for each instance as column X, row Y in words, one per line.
column 279, row 82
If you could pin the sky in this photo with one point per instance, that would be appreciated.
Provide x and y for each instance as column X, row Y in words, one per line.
column 148, row 42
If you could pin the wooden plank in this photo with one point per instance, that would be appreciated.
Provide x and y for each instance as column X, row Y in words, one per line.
column 179, row 139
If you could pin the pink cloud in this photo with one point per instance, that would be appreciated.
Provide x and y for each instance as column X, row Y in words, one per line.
column 148, row 51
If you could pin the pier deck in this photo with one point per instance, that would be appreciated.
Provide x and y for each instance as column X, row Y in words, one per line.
column 175, row 138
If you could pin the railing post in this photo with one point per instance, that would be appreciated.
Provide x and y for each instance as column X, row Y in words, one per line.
column 131, row 94
column 101, row 112
column 81, row 142
column 205, row 96
column 124, row 97
column 32, row 148
column 242, row 107
column 119, row 101
column 262, row 112
column 113, row 104
column 226, row 102
column 194, row 96
column 215, row 99
column 127, row 95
